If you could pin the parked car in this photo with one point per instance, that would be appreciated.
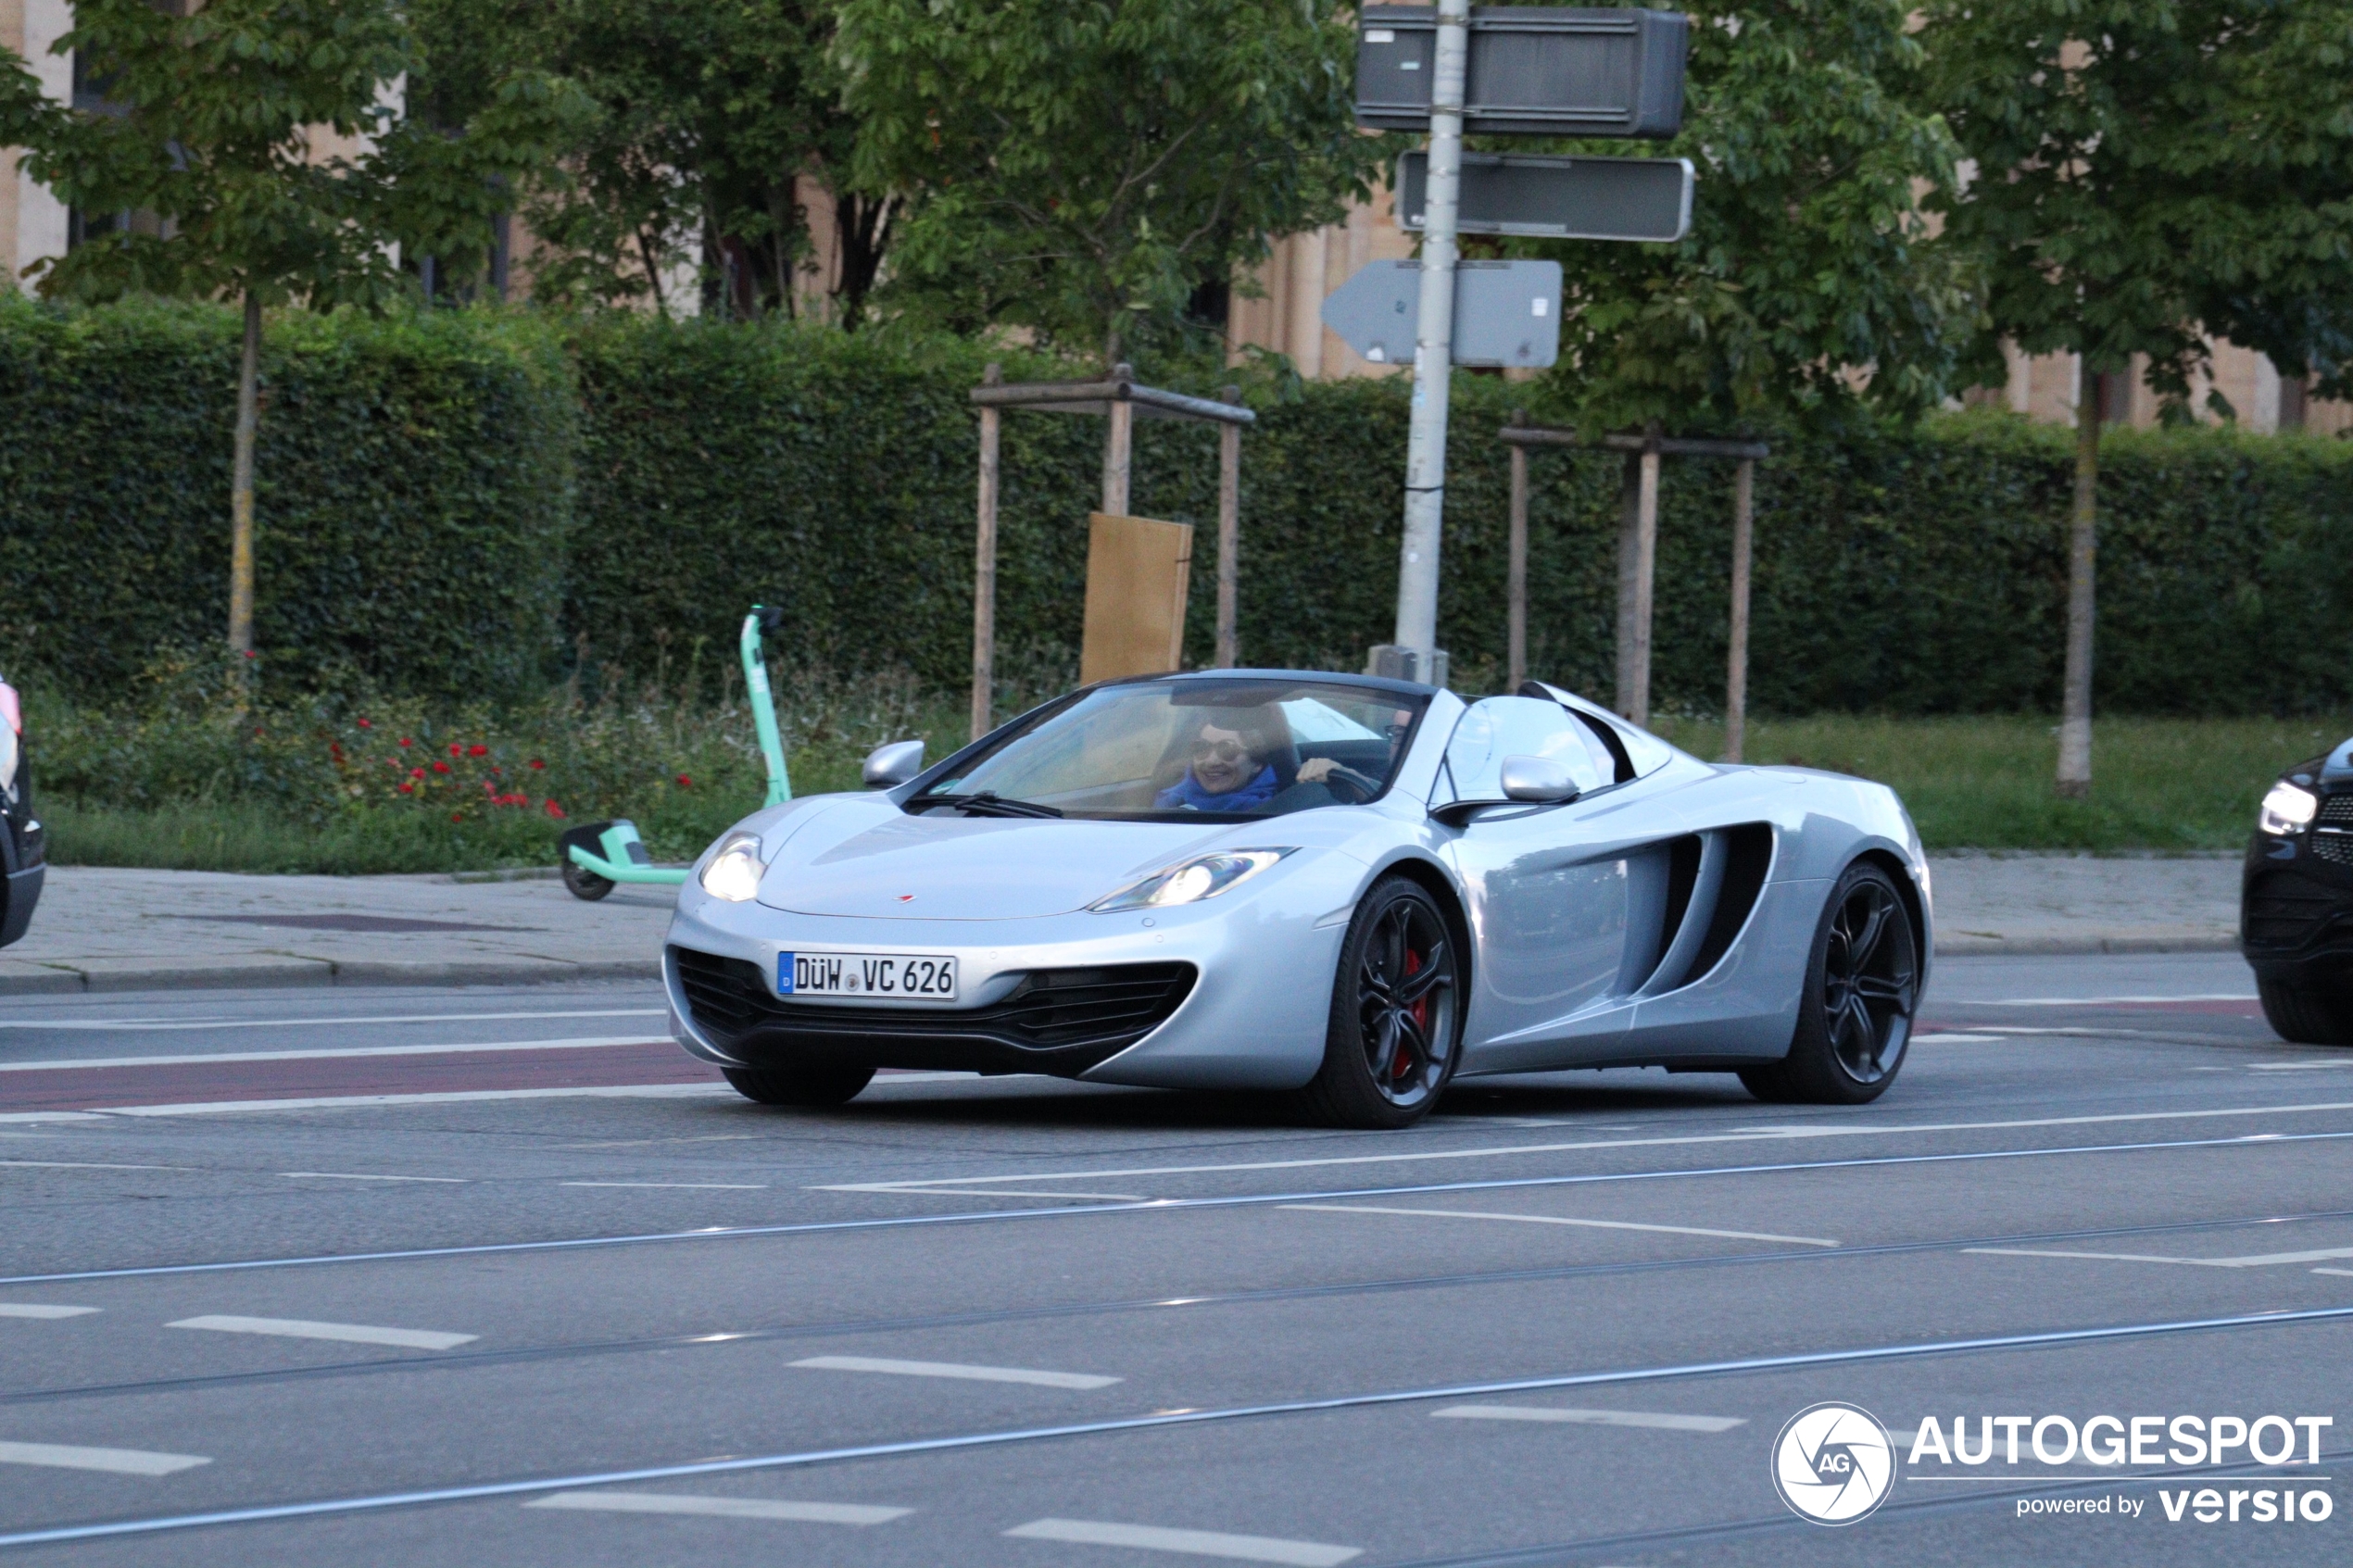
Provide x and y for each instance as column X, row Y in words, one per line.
column 1346, row 887
column 2295, row 901
column 21, row 849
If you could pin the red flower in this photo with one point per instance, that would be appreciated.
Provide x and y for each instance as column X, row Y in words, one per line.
column 477, row 750
column 416, row 772
column 407, row 789
column 456, row 750
column 554, row 810
column 441, row 767
column 367, row 724
column 686, row 783
column 334, row 749
column 456, row 817
column 406, row 741
column 536, row 763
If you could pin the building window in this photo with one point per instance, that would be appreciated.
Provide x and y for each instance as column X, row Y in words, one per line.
column 2293, row 398
column 2116, row 397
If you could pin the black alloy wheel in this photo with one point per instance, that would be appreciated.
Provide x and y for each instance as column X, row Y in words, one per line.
column 1396, row 1016
column 1862, row 987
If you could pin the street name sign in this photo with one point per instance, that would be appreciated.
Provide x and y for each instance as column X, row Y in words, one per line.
column 1533, row 70
column 1560, row 199
column 1506, row 313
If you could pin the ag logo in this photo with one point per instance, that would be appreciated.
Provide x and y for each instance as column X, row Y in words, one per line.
column 1832, row 1463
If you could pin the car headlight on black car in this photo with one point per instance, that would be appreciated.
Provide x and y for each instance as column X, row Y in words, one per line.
column 2287, row 809
column 735, row 871
column 1188, row 882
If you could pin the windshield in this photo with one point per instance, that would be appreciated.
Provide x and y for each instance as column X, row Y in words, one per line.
column 1185, row 747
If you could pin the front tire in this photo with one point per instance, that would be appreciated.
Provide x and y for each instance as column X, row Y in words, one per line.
column 2309, row 1015
column 1855, row 1016
column 1397, row 1014
column 582, row 883
column 800, row 1085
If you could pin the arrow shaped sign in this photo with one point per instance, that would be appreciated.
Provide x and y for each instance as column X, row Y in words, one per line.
column 1506, row 312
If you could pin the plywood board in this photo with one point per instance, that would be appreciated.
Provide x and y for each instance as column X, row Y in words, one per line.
column 1138, row 571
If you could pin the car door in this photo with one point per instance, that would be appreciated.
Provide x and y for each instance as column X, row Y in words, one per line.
column 1552, row 909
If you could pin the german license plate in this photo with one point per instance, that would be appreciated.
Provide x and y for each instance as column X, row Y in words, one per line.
column 919, row 977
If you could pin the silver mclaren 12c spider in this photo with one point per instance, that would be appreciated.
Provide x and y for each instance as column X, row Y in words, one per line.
column 1348, row 889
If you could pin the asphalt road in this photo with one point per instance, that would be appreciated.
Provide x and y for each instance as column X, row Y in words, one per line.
column 536, row 1289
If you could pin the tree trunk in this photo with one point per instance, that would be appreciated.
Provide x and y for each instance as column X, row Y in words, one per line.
column 241, row 485
column 2082, row 545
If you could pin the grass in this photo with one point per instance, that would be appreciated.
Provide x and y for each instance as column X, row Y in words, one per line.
column 2163, row 784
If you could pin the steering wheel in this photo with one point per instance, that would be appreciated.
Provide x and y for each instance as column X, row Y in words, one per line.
column 1351, row 787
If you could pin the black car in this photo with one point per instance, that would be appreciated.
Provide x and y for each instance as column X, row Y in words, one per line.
column 2296, row 906
column 20, row 850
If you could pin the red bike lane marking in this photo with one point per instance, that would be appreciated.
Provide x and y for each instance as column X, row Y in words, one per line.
column 72, row 1088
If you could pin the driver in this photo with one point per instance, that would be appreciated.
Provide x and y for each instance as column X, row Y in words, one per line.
column 1229, row 771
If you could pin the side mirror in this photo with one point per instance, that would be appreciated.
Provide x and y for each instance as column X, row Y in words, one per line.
column 889, row 766
column 1538, row 779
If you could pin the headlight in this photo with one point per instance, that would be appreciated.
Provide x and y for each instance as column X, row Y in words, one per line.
column 1188, row 882
column 734, row 873
column 2287, row 809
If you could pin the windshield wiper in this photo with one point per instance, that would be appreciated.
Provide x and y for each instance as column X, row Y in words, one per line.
column 988, row 803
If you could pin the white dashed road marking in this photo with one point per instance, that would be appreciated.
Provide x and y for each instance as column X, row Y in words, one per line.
column 1660, row 1420
column 364, row 1176
column 2256, row 1260
column 1196, row 1543
column 35, row 1309
column 208, row 1059
column 697, row 1186
column 349, row 1333
column 1950, row 1039
column 723, row 1507
column 116, row 1461
column 957, row 1369
column 1555, row 1220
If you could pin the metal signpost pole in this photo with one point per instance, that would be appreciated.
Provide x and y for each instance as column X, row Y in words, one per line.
column 1433, row 345
column 985, row 568
column 1119, row 443
column 1736, row 652
column 1230, row 513
column 1515, row 568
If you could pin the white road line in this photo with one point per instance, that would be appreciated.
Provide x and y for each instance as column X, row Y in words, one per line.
column 1956, row 1039
column 1828, row 1129
column 723, row 1507
column 116, row 1461
column 201, row 1059
column 111, row 1024
column 1555, row 1220
column 35, row 1309
column 349, row 1333
column 1194, row 1543
column 697, row 1186
column 89, row 1165
column 957, row 1369
column 363, row 1102
column 1657, row 1419
column 2109, row 1001
column 2254, row 1260
column 365, row 1176
column 1017, row 1192
column 2294, row 1066
column 2345, row 1272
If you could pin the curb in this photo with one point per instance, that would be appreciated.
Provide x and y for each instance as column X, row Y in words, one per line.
column 75, row 977
column 2038, row 946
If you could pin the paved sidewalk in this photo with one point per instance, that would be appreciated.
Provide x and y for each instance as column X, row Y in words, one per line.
column 118, row 930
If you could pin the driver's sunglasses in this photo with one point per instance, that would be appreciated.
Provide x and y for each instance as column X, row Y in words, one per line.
column 1220, row 750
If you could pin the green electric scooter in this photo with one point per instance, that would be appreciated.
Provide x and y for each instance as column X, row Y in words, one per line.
column 595, row 856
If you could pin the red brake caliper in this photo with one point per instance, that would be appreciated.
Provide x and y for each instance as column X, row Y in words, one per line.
column 1420, row 1009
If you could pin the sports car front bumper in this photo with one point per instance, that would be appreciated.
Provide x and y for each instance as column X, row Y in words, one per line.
column 1232, row 993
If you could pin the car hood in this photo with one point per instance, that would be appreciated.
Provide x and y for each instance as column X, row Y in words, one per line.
column 868, row 859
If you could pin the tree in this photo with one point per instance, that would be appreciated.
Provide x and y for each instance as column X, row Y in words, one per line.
column 1082, row 167
column 229, row 127
column 1810, row 283
column 706, row 113
column 2149, row 172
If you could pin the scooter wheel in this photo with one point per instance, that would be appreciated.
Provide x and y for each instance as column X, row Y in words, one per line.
column 584, row 883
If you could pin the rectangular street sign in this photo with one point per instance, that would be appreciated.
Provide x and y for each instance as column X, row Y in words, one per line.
column 1533, row 71
column 1562, row 198
column 1506, row 313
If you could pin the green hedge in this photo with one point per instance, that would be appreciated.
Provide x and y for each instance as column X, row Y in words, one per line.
column 413, row 493
column 419, row 524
